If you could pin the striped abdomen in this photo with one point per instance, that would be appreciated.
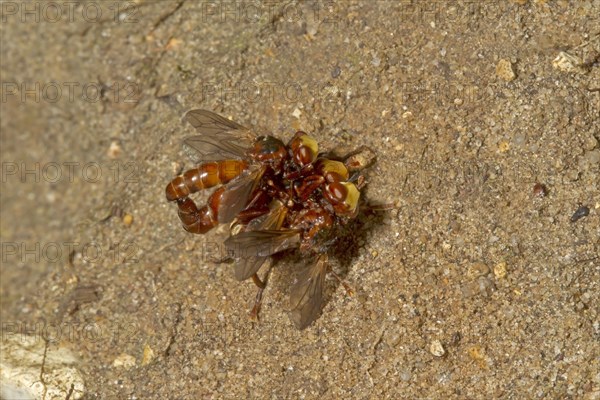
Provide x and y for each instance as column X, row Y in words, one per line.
column 204, row 176
column 200, row 220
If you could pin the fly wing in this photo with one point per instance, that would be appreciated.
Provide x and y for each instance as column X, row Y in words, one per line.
column 219, row 138
column 248, row 266
column 270, row 221
column 261, row 243
column 306, row 296
column 235, row 198
column 209, row 123
column 251, row 249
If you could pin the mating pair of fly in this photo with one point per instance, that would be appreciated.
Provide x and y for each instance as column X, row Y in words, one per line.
column 276, row 197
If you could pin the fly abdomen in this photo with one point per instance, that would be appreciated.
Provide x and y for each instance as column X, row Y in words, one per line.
column 204, row 176
column 201, row 220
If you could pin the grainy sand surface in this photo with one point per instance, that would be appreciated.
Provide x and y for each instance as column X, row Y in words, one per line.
column 478, row 285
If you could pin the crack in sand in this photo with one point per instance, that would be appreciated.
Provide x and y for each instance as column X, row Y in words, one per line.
column 43, row 367
column 178, row 319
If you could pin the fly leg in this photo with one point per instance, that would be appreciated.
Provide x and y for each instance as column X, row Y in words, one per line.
column 262, row 284
column 349, row 289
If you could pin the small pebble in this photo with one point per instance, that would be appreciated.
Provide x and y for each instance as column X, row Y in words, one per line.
column 500, row 270
column 148, row 355
column 436, row 348
column 128, row 219
column 114, row 151
column 504, row 69
column 581, row 212
column 503, row 146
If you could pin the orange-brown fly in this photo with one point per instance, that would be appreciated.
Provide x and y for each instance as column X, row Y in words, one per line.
column 276, row 196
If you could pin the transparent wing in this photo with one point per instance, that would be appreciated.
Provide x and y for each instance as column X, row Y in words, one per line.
column 235, row 198
column 219, row 138
column 261, row 243
column 209, row 123
column 246, row 267
column 306, row 296
column 270, row 221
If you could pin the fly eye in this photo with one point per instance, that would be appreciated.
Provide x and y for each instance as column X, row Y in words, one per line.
column 303, row 155
column 343, row 196
column 304, row 148
column 269, row 145
column 336, row 192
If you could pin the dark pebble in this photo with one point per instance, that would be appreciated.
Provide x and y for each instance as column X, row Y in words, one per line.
column 581, row 212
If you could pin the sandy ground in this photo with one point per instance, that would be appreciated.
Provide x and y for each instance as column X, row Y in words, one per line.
column 477, row 285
